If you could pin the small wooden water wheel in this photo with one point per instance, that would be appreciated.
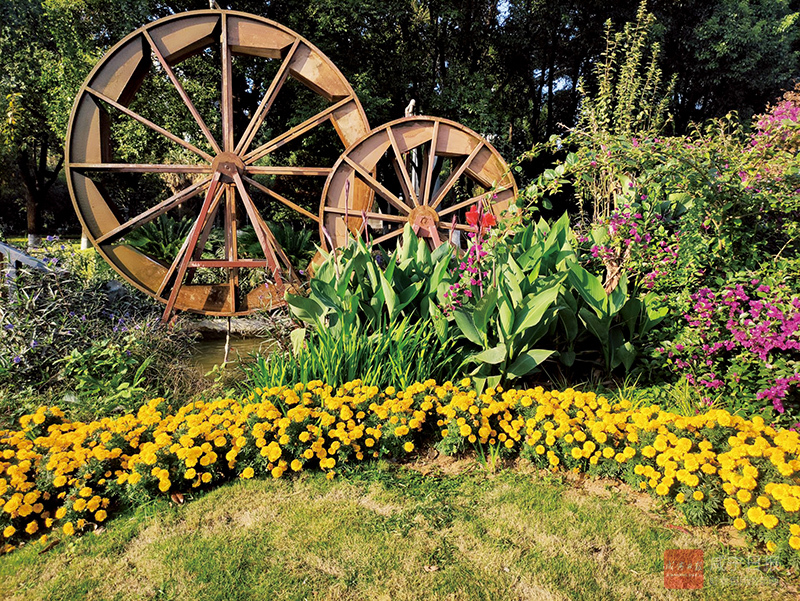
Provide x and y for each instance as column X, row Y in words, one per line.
column 425, row 171
column 215, row 160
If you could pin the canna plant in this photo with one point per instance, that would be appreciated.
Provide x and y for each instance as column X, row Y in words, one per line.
column 539, row 302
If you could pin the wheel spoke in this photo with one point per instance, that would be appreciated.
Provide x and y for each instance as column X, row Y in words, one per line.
column 231, row 242
column 153, row 212
column 266, row 102
column 184, row 96
column 182, row 260
column 265, row 236
column 281, row 199
column 474, row 200
column 141, row 168
column 400, row 168
column 144, row 121
column 227, row 88
column 442, row 192
column 204, row 235
column 388, row 236
column 295, row 132
column 269, row 170
column 369, row 215
column 377, row 186
column 425, row 190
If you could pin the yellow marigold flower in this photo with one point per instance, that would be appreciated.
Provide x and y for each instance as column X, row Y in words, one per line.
column 790, row 504
column 698, row 495
column 763, row 502
column 408, row 447
column 794, row 542
column 744, row 496
column 576, row 453
column 25, row 510
column 59, row 481
column 662, row 489
column 163, row 485
column 61, row 512
column 539, row 449
column 739, row 524
column 79, row 505
column 9, row 531
column 465, row 430
column 732, row 507
column 297, row 465
column 608, row 452
column 68, row 529
column 85, row 492
column 755, row 515
column 206, row 477
column 277, row 472
column 100, row 515
column 771, row 546
column 509, row 443
column 794, row 529
column 769, row 521
column 247, row 473
column 680, row 497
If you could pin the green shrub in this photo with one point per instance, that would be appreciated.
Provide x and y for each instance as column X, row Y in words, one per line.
column 399, row 355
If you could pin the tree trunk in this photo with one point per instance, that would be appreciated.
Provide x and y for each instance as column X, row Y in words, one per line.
column 38, row 180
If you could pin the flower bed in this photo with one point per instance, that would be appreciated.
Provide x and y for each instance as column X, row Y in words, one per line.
column 714, row 467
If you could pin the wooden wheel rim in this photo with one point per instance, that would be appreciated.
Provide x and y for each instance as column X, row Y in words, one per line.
column 351, row 188
column 227, row 170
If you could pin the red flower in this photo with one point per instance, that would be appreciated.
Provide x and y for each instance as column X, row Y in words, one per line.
column 473, row 216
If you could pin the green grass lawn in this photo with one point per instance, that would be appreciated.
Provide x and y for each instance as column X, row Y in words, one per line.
column 434, row 531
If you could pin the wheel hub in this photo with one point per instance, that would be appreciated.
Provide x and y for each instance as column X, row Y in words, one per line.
column 423, row 217
column 227, row 164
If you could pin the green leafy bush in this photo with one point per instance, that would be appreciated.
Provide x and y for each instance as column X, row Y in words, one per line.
column 64, row 334
column 399, row 355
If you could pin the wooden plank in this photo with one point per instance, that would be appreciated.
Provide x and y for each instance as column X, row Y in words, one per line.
column 377, row 186
column 184, row 96
column 281, row 199
column 266, row 102
column 293, row 133
column 445, row 188
column 144, row 121
column 425, row 189
column 270, row 170
column 227, row 88
column 400, row 166
column 189, row 248
column 238, row 263
column 153, row 212
column 141, row 168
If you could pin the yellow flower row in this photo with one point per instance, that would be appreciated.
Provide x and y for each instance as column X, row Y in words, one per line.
column 714, row 466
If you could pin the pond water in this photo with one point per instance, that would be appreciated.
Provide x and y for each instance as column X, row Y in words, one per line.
column 209, row 352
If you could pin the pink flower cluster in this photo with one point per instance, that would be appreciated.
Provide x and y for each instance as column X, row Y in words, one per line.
column 736, row 329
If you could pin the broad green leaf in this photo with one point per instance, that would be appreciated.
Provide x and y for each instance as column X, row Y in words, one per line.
column 627, row 354
column 467, row 326
column 589, row 286
column 298, row 336
column 506, row 313
column 390, row 297
column 483, row 310
column 533, row 309
column 304, row 308
column 567, row 357
column 528, row 361
column 492, row 356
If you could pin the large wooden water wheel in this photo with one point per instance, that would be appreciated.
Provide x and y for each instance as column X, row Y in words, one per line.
column 229, row 157
column 425, row 171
